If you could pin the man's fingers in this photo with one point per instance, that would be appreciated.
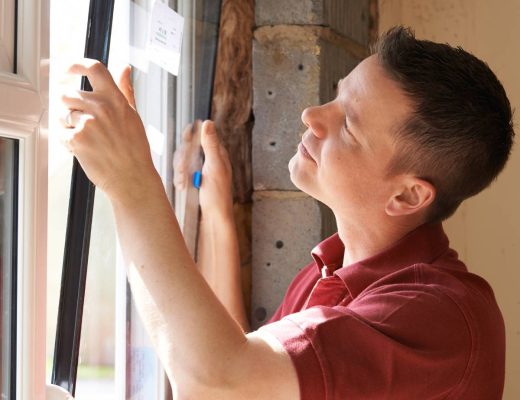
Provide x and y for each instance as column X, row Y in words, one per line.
column 187, row 158
column 97, row 74
column 75, row 100
column 179, row 169
column 187, row 134
column 196, row 130
column 180, row 160
column 69, row 136
column 126, row 87
column 70, row 118
column 209, row 139
column 65, row 135
column 179, row 180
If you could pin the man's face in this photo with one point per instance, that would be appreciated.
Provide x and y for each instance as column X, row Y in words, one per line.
column 343, row 157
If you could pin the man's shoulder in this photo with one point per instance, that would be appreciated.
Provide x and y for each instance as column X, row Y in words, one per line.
column 454, row 279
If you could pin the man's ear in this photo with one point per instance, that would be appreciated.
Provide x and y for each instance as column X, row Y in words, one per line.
column 414, row 196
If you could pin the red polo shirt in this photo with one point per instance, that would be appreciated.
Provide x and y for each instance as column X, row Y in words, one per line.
column 409, row 323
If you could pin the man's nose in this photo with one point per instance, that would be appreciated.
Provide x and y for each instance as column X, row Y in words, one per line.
column 313, row 118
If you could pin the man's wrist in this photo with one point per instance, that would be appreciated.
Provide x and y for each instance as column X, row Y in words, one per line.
column 136, row 191
column 220, row 215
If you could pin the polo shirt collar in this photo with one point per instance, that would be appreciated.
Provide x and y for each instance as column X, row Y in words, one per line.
column 423, row 245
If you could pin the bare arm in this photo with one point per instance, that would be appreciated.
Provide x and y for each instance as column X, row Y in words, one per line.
column 218, row 249
column 219, row 262
column 203, row 349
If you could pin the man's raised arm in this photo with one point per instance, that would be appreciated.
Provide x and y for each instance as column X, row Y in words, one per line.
column 218, row 257
column 203, row 349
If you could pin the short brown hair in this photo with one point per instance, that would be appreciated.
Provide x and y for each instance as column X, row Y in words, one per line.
column 460, row 135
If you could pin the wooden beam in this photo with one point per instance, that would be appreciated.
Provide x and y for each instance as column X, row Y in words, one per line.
column 232, row 113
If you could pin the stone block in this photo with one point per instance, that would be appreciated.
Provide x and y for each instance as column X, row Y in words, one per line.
column 286, row 226
column 286, row 77
column 294, row 67
column 335, row 63
column 350, row 18
column 289, row 12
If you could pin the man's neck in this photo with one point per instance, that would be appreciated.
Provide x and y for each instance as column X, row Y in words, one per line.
column 365, row 240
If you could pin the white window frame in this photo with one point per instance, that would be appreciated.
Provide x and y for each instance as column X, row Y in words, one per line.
column 23, row 116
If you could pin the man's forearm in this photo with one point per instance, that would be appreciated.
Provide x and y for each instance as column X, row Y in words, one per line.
column 193, row 333
column 219, row 262
column 203, row 349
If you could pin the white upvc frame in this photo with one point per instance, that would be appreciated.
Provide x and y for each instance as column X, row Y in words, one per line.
column 23, row 116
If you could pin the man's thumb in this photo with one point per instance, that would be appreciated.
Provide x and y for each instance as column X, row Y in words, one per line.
column 125, row 85
column 208, row 138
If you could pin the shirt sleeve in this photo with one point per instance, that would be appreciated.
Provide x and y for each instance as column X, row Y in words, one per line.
column 391, row 343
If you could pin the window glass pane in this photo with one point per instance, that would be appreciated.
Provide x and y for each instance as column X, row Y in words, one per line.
column 95, row 379
column 7, row 35
column 8, row 229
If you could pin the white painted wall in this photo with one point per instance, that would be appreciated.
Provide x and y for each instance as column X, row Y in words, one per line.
column 486, row 229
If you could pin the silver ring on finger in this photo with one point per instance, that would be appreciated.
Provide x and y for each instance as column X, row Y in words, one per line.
column 68, row 119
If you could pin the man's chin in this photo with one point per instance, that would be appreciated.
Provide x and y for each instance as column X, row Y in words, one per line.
column 293, row 170
column 298, row 180
column 292, row 163
column 301, row 179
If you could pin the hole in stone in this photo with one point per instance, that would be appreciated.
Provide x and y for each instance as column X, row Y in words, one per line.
column 272, row 144
column 260, row 314
column 270, row 94
column 279, row 244
column 268, row 264
column 300, row 67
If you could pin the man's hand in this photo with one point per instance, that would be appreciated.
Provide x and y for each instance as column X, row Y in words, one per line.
column 187, row 157
column 106, row 134
column 215, row 197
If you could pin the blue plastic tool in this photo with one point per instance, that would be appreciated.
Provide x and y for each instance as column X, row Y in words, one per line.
column 197, row 179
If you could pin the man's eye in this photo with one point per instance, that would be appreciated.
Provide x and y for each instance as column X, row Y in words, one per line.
column 347, row 130
column 345, row 125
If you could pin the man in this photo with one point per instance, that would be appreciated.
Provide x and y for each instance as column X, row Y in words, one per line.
column 386, row 311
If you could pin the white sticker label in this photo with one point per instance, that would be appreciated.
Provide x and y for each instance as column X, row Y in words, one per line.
column 165, row 37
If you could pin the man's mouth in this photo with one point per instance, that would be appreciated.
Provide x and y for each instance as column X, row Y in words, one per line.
column 305, row 153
